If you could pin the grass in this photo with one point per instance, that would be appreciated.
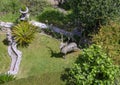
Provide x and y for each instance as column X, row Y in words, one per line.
column 4, row 58
column 44, row 79
column 9, row 17
column 42, row 63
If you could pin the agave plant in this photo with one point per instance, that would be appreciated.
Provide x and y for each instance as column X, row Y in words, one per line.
column 23, row 33
column 6, row 78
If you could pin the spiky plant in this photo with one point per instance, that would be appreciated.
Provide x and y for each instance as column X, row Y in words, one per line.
column 6, row 78
column 23, row 33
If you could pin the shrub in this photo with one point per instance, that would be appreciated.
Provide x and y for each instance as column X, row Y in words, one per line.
column 23, row 33
column 52, row 16
column 93, row 67
column 93, row 12
column 6, row 78
column 57, row 18
column 109, row 38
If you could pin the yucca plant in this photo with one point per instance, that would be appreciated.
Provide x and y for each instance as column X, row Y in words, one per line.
column 6, row 78
column 23, row 33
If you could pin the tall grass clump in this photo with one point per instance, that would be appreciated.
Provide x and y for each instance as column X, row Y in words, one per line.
column 6, row 78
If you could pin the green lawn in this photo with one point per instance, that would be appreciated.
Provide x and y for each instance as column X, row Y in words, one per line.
column 4, row 58
column 42, row 63
column 9, row 17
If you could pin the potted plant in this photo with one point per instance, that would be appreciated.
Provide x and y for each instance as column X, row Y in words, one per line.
column 24, row 9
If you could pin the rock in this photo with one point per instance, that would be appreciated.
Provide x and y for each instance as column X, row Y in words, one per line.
column 6, row 24
column 38, row 24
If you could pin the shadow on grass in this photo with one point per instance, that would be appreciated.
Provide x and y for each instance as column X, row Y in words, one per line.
column 64, row 76
column 5, row 42
column 55, row 54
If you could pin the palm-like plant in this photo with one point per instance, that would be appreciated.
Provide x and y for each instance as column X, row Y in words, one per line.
column 23, row 33
column 6, row 78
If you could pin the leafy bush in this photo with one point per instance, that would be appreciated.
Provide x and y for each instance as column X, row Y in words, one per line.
column 109, row 38
column 57, row 18
column 52, row 16
column 24, row 33
column 6, row 78
column 93, row 67
column 91, row 13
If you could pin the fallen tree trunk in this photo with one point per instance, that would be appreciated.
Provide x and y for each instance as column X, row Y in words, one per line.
column 44, row 26
column 14, row 53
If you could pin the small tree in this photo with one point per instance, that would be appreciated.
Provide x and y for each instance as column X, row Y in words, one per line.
column 93, row 67
column 93, row 12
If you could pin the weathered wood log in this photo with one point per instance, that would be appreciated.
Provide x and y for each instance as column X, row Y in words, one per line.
column 14, row 53
column 6, row 24
column 53, row 28
column 66, row 48
column 44, row 26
